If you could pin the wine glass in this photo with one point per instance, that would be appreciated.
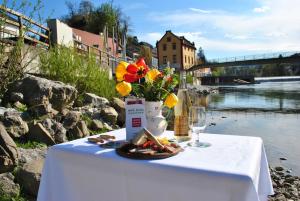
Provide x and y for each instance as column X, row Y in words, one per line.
column 197, row 123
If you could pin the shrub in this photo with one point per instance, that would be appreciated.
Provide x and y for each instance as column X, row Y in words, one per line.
column 80, row 70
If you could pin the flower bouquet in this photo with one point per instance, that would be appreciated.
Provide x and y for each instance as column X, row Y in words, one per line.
column 156, row 87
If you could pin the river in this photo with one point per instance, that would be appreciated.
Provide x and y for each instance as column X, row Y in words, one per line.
column 270, row 110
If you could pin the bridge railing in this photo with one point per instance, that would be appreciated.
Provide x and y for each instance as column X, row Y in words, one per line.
column 252, row 57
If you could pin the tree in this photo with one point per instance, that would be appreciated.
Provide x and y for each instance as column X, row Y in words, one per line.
column 200, row 56
column 93, row 19
column 146, row 53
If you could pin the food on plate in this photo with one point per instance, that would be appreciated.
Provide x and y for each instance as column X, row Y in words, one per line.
column 101, row 139
column 144, row 142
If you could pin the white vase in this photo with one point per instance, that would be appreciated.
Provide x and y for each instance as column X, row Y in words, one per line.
column 156, row 122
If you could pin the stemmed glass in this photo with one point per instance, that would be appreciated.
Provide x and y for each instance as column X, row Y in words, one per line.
column 197, row 123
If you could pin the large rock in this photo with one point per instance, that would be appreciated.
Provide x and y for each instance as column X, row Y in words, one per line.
column 38, row 133
column 15, row 126
column 8, row 151
column 36, row 89
column 56, row 130
column 109, row 115
column 79, row 131
column 28, row 155
column 29, row 176
column 96, row 125
column 71, row 119
column 4, row 110
column 119, row 106
column 94, row 100
column 8, row 186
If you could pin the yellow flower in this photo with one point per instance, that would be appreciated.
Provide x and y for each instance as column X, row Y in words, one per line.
column 152, row 74
column 171, row 100
column 121, row 70
column 124, row 88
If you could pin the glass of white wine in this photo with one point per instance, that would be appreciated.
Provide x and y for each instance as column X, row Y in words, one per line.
column 197, row 123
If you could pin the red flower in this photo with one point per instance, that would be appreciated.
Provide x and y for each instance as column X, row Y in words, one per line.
column 136, row 71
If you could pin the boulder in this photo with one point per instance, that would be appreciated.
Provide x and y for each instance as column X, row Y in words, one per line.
column 96, row 125
column 94, row 100
column 15, row 126
column 36, row 89
column 8, row 186
column 56, row 130
column 71, row 119
column 8, row 151
column 29, row 176
column 110, row 115
column 4, row 110
column 119, row 106
column 38, row 133
column 28, row 155
column 15, row 97
column 79, row 131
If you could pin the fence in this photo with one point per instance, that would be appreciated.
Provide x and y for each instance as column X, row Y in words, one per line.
column 14, row 25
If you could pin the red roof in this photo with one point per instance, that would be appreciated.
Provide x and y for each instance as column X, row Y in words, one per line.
column 92, row 39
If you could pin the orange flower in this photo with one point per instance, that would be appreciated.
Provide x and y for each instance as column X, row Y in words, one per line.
column 171, row 100
column 153, row 74
column 121, row 70
column 124, row 88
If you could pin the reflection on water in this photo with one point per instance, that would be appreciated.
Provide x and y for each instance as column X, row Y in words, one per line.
column 268, row 110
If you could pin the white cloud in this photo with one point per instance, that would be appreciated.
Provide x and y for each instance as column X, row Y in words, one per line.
column 261, row 9
column 200, row 10
column 275, row 30
column 151, row 37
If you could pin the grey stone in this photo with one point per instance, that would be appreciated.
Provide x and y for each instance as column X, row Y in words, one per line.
column 8, row 186
column 36, row 89
column 38, row 133
column 71, row 119
column 28, row 155
column 56, row 130
column 79, row 131
column 8, row 151
column 9, row 110
column 94, row 100
column 119, row 106
column 15, row 126
column 29, row 176
column 279, row 168
column 15, row 97
column 109, row 115
column 96, row 125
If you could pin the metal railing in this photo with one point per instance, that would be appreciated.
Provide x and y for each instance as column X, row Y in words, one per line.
column 253, row 57
column 15, row 25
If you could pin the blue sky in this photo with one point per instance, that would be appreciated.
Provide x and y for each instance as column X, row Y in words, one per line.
column 221, row 27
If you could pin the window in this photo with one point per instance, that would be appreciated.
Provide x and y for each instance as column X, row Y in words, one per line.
column 164, row 47
column 169, row 39
column 189, row 60
column 174, row 59
column 184, row 58
column 174, row 46
column 192, row 60
column 164, row 59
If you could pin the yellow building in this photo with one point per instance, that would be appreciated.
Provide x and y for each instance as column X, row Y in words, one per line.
column 177, row 50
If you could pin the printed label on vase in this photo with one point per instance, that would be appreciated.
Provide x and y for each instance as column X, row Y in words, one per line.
column 135, row 116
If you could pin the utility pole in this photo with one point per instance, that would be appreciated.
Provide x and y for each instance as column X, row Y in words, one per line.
column 124, row 42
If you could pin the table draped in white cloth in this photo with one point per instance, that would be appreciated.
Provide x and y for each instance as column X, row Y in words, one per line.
column 234, row 168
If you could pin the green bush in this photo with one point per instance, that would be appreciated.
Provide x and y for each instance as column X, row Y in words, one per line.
column 80, row 70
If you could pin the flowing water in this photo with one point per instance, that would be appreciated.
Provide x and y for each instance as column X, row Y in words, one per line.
column 270, row 110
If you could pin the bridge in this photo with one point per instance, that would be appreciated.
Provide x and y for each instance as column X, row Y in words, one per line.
column 274, row 58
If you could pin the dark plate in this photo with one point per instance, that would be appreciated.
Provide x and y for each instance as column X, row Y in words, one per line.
column 124, row 151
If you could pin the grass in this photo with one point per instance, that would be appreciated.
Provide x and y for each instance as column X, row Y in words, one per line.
column 30, row 145
column 80, row 70
column 103, row 130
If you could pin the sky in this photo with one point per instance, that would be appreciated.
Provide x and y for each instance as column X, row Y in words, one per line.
column 223, row 28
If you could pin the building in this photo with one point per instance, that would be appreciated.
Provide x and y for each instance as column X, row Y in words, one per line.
column 175, row 50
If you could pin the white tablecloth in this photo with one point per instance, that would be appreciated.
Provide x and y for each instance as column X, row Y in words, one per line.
column 234, row 168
